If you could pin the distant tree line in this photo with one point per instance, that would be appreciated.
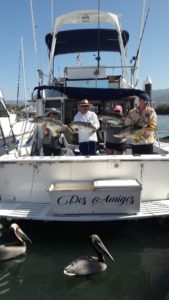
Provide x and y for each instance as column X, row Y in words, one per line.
column 18, row 110
column 162, row 109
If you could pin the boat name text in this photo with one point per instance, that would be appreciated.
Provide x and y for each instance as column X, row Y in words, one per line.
column 76, row 199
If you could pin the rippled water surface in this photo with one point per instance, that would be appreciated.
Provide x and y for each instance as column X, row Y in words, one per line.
column 163, row 126
column 140, row 271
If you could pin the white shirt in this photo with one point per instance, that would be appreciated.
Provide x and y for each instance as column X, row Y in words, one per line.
column 90, row 117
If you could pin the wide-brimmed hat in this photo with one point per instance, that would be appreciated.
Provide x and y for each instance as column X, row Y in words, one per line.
column 53, row 110
column 84, row 102
column 144, row 97
column 118, row 108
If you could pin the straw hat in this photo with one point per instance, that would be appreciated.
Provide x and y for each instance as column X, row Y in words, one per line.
column 52, row 110
column 84, row 102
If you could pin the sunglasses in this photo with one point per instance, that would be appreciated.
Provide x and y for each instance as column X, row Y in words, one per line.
column 53, row 114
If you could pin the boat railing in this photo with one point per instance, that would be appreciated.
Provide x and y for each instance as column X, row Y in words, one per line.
column 105, row 76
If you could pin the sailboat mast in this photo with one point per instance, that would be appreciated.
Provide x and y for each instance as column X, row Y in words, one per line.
column 23, row 65
column 19, row 71
column 34, row 38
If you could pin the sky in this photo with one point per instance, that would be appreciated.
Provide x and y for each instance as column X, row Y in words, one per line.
column 16, row 25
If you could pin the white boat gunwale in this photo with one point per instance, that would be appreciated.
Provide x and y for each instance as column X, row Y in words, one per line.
column 41, row 212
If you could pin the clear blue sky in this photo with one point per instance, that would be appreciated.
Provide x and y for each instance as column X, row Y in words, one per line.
column 15, row 22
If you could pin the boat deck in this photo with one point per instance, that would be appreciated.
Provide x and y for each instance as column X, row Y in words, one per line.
column 42, row 212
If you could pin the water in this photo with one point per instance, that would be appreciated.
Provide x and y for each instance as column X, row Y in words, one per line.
column 163, row 126
column 141, row 270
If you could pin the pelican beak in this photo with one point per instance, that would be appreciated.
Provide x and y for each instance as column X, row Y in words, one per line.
column 23, row 235
column 104, row 249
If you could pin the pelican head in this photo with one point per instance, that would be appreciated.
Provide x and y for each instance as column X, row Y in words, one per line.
column 10, row 251
column 19, row 233
column 100, row 248
column 87, row 265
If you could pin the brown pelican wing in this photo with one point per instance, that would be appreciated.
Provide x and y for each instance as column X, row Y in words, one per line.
column 8, row 252
column 84, row 266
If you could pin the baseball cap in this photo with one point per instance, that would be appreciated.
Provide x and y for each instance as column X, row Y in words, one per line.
column 118, row 108
column 144, row 97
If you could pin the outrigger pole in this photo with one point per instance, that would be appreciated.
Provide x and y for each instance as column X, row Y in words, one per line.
column 98, row 37
column 137, row 57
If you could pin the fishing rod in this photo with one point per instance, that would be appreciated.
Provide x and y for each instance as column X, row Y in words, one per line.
column 141, row 38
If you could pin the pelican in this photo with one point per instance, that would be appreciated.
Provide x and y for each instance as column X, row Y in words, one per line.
column 12, row 251
column 88, row 265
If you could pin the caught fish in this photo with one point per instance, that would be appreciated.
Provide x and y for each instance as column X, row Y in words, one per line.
column 131, row 133
column 54, row 125
column 77, row 126
column 113, row 120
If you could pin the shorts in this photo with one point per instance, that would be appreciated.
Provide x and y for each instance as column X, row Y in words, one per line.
column 120, row 147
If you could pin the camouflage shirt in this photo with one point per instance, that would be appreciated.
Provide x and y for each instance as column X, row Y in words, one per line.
column 147, row 120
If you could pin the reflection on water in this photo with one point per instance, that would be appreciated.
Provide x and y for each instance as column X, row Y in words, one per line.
column 141, row 270
column 10, row 275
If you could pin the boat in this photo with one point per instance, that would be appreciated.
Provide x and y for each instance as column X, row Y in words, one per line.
column 12, row 129
column 72, row 187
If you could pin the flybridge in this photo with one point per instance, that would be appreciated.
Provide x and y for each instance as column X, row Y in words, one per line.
column 89, row 17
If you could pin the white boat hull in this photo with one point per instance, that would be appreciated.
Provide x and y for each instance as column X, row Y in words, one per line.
column 37, row 178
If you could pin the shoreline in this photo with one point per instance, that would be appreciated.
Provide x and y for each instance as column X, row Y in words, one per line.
column 164, row 141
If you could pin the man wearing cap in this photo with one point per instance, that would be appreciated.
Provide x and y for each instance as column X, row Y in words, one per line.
column 51, row 145
column 143, row 116
column 87, row 142
column 114, row 145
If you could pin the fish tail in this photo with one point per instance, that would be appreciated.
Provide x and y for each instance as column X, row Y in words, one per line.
column 70, row 129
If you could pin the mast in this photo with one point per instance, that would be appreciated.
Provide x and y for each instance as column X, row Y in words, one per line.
column 19, row 71
column 21, row 64
column 34, row 38
column 23, row 68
